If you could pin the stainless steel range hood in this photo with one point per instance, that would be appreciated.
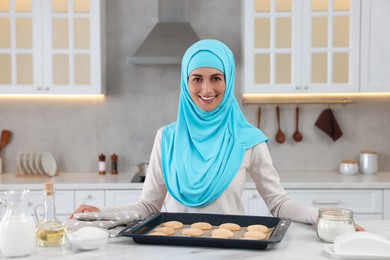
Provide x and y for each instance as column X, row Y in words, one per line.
column 170, row 37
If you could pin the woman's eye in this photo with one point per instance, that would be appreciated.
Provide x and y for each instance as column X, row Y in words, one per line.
column 216, row 79
column 196, row 79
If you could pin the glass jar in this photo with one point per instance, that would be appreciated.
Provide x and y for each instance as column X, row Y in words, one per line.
column 332, row 222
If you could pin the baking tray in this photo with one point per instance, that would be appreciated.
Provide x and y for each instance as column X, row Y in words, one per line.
column 139, row 230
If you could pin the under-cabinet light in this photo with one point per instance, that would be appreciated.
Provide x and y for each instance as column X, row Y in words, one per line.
column 53, row 96
column 313, row 97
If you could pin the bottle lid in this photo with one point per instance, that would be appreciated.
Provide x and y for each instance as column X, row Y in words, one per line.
column 114, row 157
column 368, row 151
column 349, row 161
column 102, row 157
column 49, row 187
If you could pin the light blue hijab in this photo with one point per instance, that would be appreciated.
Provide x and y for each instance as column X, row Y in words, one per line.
column 202, row 151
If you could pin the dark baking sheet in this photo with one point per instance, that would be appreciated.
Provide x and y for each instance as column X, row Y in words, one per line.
column 140, row 229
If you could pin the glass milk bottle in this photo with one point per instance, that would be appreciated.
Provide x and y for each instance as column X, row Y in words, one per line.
column 50, row 231
column 17, row 226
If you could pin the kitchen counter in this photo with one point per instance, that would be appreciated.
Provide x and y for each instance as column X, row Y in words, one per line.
column 300, row 243
column 289, row 180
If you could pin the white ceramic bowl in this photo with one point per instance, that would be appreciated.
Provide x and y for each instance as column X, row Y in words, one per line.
column 349, row 167
column 88, row 238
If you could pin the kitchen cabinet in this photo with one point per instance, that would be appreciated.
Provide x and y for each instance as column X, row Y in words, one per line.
column 386, row 204
column 89, row 197
column 375, row 46
column 254, row 203
column 121, row 197
column 366, row 204
column 301, row 46
column 52, row 47
column 64, row 202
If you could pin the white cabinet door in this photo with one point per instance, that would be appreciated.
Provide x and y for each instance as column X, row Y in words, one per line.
column 89, row 197
column 386, row 204
column 301, row 46
column 20, row 47
column 121, row 197
column 52, row 47
column 64, row 202
column 254, row 204
column 375, row 49
column 330, row 46
column 366, row 204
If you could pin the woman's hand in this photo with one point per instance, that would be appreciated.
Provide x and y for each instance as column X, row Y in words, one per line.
column 359, row 228
column 84, row 208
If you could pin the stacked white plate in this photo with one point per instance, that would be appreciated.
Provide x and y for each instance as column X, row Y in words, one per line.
column 37, row 163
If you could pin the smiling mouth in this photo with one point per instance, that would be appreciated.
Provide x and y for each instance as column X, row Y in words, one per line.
column 207, row 98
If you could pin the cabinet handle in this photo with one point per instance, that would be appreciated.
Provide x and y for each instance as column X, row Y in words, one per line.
column 326, row 202
column 47, row 88
column 306, row 88
column 297, row 88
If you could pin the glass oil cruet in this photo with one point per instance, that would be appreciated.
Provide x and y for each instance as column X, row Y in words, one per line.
column 50, row 231
column 17, row 226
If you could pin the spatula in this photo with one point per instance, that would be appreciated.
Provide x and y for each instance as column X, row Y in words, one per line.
column 4, row 139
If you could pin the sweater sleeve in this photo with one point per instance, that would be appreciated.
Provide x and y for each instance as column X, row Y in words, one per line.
column 154, row 189
column 267, row 182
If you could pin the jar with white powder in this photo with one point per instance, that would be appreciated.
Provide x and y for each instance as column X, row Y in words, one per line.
column 332, row 222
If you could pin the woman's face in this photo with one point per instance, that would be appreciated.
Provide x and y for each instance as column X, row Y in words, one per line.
column 207, row 87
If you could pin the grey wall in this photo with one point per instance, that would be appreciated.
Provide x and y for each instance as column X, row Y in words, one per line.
column 143, row 98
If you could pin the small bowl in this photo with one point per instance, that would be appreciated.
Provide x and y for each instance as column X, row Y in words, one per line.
column 88, row 238
column 349, row 167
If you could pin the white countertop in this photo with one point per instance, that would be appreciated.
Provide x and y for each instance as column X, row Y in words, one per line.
column 289, row 180
column 299, row 243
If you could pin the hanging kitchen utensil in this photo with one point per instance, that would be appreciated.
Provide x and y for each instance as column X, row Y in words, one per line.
column 258, row 117
column 280, row 137
column 297, row 136
column 327, row 123
column 4, row 139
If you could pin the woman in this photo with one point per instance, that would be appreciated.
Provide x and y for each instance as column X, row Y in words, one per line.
column 200, row 163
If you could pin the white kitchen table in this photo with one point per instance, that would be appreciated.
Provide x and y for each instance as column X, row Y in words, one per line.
column 300, row 243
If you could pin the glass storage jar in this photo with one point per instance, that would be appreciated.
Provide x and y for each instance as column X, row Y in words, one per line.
column 332, row 222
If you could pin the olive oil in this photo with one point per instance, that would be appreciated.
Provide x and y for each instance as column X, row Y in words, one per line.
column 50, row 231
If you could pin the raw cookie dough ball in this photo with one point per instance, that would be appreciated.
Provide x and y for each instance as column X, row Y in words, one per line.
column 201, row 225
column 257, row 235
column 260, row 228
column 158, row 234
column 173, row 224
column 193, row 232
column 167, row 230
column 230, row 226
column 222, row 232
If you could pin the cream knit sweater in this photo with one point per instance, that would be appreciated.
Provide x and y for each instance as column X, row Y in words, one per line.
column 257, row 163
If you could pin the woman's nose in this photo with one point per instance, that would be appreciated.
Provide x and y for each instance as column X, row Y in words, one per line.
column 206, row 86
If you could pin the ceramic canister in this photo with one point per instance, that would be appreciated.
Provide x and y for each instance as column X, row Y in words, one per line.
column 368, row 162
column 349, row 167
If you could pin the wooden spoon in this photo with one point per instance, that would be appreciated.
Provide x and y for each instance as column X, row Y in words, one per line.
column 4, row 139
column 258, row 117
column 297, row 136
column 280, row 137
